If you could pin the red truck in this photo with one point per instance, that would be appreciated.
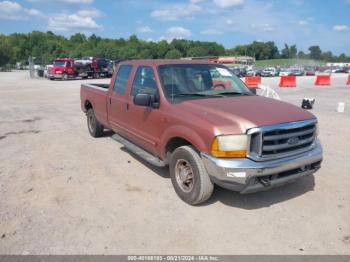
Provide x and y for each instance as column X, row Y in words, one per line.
column 204, row 123
column 69, row 68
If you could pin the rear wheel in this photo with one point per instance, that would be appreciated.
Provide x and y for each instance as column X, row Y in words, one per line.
column 189, row 176
column 95, row 128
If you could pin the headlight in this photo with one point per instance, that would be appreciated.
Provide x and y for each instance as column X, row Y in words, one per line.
column 234, row 146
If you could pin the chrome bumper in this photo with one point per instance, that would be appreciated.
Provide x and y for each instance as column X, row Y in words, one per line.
column 248, row 176
column 56, row 76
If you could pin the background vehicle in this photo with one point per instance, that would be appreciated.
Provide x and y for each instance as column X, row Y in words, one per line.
column 310, row 71
column 205, row 124
column 270, row 71
column 66, row 68
column 239, row 72
column 46, row 70
column 284, row 72
column 111, row 66
column 340, row 70
column 296, row 72
column 87, row 60
column 254, row 72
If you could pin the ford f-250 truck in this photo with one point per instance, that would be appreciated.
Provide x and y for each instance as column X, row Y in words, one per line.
column 205, row 124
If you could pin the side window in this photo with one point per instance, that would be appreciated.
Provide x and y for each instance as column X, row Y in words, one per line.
column 144, row 82
column 68, row 64
column 121, row 80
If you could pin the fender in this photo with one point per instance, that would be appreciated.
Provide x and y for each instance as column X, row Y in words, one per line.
column 102, row 119
column 185, row 133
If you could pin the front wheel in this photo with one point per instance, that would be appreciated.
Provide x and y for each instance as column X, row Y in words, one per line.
column 95, row 128
column 189, row 176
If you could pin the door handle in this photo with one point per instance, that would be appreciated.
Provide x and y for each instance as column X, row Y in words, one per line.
column 127, row 107
column 110, row 101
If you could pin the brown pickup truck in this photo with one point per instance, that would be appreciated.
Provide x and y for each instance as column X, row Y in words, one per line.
column 204, row 123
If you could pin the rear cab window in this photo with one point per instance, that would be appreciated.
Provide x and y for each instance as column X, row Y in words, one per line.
column 121, row 80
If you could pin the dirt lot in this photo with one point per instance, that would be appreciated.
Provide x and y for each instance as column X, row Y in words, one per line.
column 63, row 192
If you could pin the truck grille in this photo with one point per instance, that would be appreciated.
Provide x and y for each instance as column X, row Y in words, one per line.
column 272, row 142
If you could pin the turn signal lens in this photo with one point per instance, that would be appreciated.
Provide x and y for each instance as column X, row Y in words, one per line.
column 232, row 146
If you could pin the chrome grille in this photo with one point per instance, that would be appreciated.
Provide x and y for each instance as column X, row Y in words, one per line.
column 272, row 142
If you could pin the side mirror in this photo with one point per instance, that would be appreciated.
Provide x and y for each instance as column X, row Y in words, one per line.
column 146, row 100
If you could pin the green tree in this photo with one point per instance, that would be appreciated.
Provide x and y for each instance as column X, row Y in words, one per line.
column 173, row 54
column 302, row 55
column 163, row 48
column 261, row 50
column 180, row 45
column 46, row 46
column 328, row 56
column 315, row 52
column 239, row 50
column 293, row 51
column 285, row 52
column 197, row 51
column 78, row 39
column 343, row 58
column 6, row 51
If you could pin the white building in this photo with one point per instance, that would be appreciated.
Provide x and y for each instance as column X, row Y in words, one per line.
column 338, row 64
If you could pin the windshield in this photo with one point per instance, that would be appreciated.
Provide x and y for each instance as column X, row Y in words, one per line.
column 59, row 63
column 198, row 81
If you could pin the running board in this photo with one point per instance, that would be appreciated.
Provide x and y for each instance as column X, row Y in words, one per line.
column 139, row 151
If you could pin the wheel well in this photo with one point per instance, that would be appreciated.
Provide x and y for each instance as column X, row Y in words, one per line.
column 175, row 143
column 87, row 105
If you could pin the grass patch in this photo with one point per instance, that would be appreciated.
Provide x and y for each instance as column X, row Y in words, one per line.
column 288, row 62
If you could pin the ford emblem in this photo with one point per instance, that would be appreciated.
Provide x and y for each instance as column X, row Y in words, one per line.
column 293, row 140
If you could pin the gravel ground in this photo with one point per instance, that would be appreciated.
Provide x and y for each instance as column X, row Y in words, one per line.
column 63, row 192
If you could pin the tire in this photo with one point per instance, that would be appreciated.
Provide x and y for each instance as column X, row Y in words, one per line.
column 186, row 161
column 94, row 127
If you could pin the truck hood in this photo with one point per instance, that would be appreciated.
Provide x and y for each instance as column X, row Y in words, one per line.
column 236, row 114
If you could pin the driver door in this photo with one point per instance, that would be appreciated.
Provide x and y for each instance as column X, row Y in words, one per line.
column 145, row 125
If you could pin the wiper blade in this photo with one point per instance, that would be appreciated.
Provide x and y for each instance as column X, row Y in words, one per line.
column 197, row 94
column 235, row 93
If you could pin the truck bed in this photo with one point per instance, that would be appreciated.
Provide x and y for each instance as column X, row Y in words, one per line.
column 96, row 96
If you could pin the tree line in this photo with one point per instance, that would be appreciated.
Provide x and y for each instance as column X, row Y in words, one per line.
column 46, row 46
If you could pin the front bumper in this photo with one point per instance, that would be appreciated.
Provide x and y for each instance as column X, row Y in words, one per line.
column 248, row 176
column 56, row 76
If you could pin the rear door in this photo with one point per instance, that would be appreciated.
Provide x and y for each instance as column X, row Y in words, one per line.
column 117, row 103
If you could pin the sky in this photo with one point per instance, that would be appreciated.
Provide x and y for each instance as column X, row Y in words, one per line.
column 228, row 22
